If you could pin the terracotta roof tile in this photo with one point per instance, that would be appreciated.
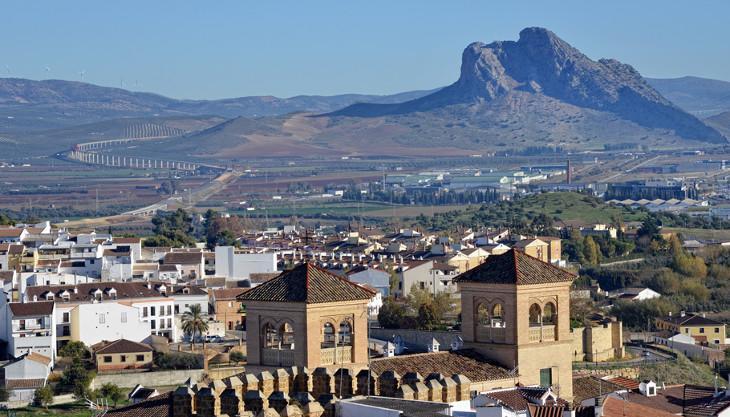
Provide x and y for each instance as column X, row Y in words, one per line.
column 121, row 346
column 614, row 407
column 37, row 357
column 701, row 401
column 466, row 362
column 38, row 308
column 224, row 294
column 85, row 291
column 515, row 267
column 183, row 258
column 24, row 383
column 627, row 383
column 307, row 284
column 588, row 387
column 159, row 406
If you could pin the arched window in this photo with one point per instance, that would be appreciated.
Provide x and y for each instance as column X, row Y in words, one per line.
column 535, row 315
column 345, row 334
column 497, row 311
column 483, row 315
column 287, row 336
column 328, row 335
column 272, row 339
column 549, row 315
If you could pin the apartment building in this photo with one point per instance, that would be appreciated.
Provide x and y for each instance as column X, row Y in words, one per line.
column 153, row 302
column 29, row 328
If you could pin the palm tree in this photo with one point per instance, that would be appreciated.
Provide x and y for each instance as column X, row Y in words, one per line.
column 193, row 323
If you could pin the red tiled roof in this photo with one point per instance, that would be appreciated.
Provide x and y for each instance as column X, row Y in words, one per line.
column 158, row 406
column 36, row 308
column 85, row 291
column 702, row 402
column 121, row 346
column 13, row 232
column 515, row 267
column 127, row 240
column 37, row 357
column 465, row 362
column 629, row 384
column 225, row 294
column 24, row 383
column 614, row 407
column 183, row 258
column 307, row 284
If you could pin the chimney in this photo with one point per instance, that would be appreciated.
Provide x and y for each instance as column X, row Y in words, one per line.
column 598, row 409
column 569, row 411
column 76, row 289
column 682, row 313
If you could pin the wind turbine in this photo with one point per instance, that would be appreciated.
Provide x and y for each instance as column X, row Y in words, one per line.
column 48, row 69
column 82, row 73
column 7, row 69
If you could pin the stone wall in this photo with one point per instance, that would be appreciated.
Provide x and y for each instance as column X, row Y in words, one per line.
column 277, row 393
column 162, row 378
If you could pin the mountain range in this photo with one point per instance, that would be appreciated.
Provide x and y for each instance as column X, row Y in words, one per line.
column 536, row 91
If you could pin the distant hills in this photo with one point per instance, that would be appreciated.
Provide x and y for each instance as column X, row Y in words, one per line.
column 510, row 95
column 32, row 105
column 702, row 97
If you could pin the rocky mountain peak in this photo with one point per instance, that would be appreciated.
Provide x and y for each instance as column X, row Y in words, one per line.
column 541, row 63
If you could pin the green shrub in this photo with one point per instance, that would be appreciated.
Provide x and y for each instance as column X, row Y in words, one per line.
column 179, row 360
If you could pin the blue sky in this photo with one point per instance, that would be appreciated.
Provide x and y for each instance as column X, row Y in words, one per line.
column 219, row 48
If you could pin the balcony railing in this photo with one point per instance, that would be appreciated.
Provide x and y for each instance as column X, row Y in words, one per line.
column 277, row 357
column 493, row 334
column 336, row 355
column 544, row 333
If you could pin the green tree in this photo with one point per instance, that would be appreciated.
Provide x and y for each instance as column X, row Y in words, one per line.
column 193, row 323
column 236, row 356
column 591, row 251
column 43, row 396
column 426, row 317
column 76, row 379
column 112, row 393
column 74, row 350
column 391, row 314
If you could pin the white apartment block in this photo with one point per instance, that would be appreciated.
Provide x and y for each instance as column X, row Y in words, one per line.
column 232, row 263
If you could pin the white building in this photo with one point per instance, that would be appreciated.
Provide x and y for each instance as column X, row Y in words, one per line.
column 93, row 323
column 152, row 300
column 378, row 279
column 26, row 374
column 29, row 327
column 187, row 296
column 231, row 263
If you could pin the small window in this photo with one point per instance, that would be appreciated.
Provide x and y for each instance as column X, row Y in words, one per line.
column 230, row 304
column 152, row 311
column 140, row 358
column 702, row 329
column 153, row 324
column 144, row 311
column 651, row 391
column 717, row 330
column 107, row 359
column 177, row 309
column 123, row 358
column 546, row 377
column 66, row 317
column 102, row 319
